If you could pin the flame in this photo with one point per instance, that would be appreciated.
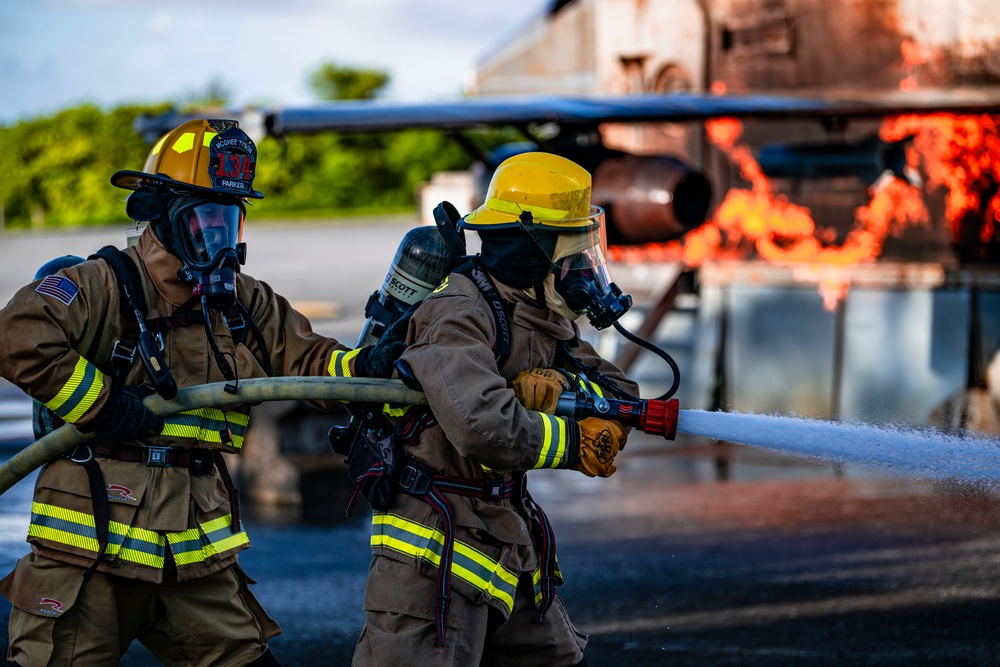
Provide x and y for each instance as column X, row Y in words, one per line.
column 960, row 154
column 913, row 60
column 785, row 233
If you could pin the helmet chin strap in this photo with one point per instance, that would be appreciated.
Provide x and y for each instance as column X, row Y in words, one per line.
column 538, row 261
column 537, row 277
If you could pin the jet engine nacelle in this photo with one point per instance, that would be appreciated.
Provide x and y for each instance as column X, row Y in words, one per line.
column 867, row 160
column 650, row 199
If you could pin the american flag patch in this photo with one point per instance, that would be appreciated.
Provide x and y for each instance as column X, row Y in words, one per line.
column 59, row 288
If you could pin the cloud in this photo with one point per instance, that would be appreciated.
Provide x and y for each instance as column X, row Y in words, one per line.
column 161, row 23
column 60, row 52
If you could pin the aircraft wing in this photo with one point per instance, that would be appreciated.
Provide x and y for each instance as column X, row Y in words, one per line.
column 589, row 111
column 471, row 113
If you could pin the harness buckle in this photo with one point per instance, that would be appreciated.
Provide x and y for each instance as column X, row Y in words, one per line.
column 128, row 356
column 156, row 457
column 414, row 481
column 493, row 489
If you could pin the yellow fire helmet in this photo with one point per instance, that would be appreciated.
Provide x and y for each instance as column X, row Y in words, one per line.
column 554, row 191
column 200, row 156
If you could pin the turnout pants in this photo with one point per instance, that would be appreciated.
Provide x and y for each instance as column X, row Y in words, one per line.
column 400, row 630
column 212, row 621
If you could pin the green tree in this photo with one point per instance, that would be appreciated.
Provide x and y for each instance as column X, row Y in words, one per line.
column 214, row 96
column 335, row 82
column 55, row 170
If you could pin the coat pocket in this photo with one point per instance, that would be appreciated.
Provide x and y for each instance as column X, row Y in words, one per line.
column 400, row 589
column 209, row 492
column 62, row 515
column 42, row 587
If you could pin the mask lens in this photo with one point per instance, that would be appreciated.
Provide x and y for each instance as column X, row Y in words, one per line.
column 212, row 227
column 580, row 278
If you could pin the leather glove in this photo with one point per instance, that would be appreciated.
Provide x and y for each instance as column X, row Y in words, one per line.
column 539, row 388
column 600, row 442
column 124, row 418
column 376, row 361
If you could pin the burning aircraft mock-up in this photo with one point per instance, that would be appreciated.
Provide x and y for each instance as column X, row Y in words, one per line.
column 648, row 198
column 663, row 212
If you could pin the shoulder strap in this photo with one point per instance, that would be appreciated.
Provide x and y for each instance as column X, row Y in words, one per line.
column 131, row 300
column 128, row 279
column 473, row 270
column 135, row 333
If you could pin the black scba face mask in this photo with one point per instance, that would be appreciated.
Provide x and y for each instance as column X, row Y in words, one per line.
column 578, row 281
column 582, row 280
column 207, row 235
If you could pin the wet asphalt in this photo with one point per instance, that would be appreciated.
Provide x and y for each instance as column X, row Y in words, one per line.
column 783, row 563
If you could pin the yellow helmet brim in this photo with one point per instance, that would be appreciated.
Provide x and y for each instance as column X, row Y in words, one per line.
column 501, row 214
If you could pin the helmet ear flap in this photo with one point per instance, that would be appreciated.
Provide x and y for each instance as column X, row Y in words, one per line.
column 143, row 205
column 147, row 204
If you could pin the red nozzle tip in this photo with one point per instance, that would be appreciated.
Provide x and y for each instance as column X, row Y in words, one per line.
column 661, row 418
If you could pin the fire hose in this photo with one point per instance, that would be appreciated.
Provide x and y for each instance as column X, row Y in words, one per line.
column 248, row 392
column 652, row 416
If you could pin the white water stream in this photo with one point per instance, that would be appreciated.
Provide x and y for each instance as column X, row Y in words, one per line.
column 923, row 453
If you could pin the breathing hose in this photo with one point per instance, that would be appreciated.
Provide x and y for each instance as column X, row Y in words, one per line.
column 248, row 392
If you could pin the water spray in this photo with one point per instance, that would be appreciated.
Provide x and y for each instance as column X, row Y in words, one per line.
column 925, row 453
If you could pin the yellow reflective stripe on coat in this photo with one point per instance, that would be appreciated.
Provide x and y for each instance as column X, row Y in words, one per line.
column 553, row 449
column 210, row 539
column 536, row 580
column 442, row 286
column 79, row 392
column 207, row 425
column 76, row 529
column 391, row 531
column 340, row 363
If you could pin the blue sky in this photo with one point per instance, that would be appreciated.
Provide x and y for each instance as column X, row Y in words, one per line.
column 59, row 53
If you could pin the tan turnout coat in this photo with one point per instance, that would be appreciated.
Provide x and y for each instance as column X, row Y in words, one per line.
column 59, row 353
column 483, row 432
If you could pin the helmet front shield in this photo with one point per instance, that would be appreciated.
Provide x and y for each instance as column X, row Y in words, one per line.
column 578, row 255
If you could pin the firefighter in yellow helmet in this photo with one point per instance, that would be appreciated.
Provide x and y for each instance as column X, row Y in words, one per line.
column 464, row 567
column 135, row 534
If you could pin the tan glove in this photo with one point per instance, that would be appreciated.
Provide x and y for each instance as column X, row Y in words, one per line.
column 538, row 389
column 600, row 442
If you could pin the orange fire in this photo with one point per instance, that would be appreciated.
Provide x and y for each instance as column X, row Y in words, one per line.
column 785, row 233
column 962, row 155
column 958, row 153
column 913, row 59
